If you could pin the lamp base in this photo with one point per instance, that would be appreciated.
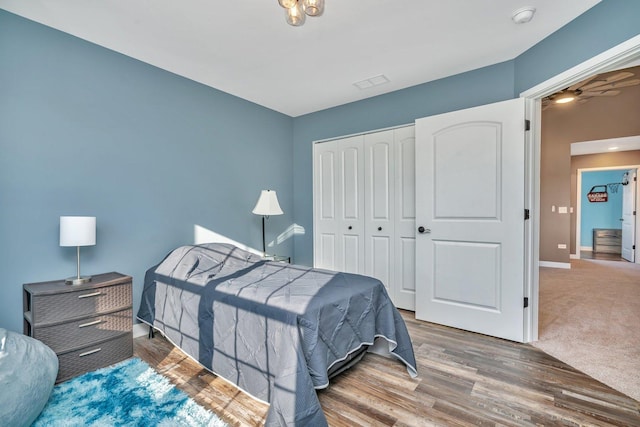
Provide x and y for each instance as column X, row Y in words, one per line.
column 77, row 280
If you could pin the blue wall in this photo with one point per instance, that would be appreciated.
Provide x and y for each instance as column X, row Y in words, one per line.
column 599, row 214
column 602, row 27
column 86, row 131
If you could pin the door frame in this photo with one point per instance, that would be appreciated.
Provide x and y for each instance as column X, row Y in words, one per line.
column 617, row 56
column 578, row 201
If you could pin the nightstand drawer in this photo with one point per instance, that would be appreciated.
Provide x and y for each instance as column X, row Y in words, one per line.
column 59, row 307
column 614, row 233
column 607, row 241
column 94, row 357
column 67, row 336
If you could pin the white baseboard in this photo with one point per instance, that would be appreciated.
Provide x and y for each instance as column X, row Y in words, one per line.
column 586, row 248
column 574, row 256
column 552, row 264
column 140, row 330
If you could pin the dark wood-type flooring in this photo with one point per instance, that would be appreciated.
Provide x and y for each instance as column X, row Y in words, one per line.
column 464, row 379
column 601, row 256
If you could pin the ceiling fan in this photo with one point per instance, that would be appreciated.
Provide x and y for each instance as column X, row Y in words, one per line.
column 597, row 85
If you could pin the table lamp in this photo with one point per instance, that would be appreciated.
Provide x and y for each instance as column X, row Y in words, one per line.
column 267, row 205
column 77, row 231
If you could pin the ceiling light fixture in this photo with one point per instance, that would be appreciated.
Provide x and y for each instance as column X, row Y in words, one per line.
column 296, row 10
column 523, row 15
column 564, row 97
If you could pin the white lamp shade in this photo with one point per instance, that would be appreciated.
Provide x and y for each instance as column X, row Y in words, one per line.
column 77, row 230
column 267, row 204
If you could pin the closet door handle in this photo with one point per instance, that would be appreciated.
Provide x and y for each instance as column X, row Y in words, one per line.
column 423, row 230
column 350, row 227
column 379, row 228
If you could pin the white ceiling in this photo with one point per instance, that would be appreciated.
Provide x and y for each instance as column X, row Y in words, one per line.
column 246, row 49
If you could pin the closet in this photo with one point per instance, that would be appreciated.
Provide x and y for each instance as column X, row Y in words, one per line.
column 364, row 208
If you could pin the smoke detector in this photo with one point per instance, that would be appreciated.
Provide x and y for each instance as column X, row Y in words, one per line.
column 523, row 15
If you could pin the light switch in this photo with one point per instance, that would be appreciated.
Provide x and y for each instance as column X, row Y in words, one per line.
column 562, row 246
column 553, row 208
column 562, row 209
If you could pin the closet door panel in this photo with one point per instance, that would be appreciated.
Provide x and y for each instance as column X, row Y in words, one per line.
column 350, row 160
column 379, row 209
column 325, row 199
column 327, row 185
column 351, row 218
column 326, row 252
column 352, row 254
column 339, row 205
column 405, row 218
column 380, row 180
column 379, row 257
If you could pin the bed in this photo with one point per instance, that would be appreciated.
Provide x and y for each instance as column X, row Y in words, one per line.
column 276, row 330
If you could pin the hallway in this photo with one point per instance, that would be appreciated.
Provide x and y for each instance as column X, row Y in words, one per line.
column 590, row 319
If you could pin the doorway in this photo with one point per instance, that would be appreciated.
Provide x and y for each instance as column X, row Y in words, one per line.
column 607, row 229
column 543, row 245
column 621, row 55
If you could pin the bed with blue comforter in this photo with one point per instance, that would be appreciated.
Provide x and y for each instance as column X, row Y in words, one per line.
column 275, row 330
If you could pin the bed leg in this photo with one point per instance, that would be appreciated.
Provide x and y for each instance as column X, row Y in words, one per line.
column 151, row 333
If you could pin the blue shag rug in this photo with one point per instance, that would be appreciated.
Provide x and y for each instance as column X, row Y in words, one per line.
column 130, row 393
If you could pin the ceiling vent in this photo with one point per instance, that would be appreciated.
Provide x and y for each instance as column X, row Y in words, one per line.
column 371, row 82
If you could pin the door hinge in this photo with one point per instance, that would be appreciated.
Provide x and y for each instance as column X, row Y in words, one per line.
column 526, row 214
column 527, row 124
column 633, row 247
column 526, row 302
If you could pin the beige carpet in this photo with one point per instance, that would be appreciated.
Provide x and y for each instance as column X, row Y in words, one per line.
column 590, row 319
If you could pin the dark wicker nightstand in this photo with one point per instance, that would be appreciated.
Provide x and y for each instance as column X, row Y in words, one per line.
column 89, row 326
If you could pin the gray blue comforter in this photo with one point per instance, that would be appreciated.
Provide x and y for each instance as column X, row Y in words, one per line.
column 274, row 329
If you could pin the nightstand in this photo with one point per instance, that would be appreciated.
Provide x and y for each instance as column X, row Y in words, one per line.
column 88, row 326
column 607, row 241
column 279, row 258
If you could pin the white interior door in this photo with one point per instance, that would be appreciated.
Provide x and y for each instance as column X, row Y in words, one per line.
column 470, row 214
column 628, row 217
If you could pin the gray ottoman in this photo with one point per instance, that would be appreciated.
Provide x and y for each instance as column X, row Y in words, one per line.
column 28, row 370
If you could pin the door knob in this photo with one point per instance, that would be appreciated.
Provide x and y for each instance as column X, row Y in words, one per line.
column 423, row 230
column 379, row 228
column 350, row 227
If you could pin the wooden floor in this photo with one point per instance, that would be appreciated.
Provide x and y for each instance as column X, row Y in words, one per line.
column 601, row 256
column 465, row 379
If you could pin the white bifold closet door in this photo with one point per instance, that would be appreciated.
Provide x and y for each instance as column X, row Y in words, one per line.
column 339, row 205
column 379, row 206
column 364, row 209
column 405, row 218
